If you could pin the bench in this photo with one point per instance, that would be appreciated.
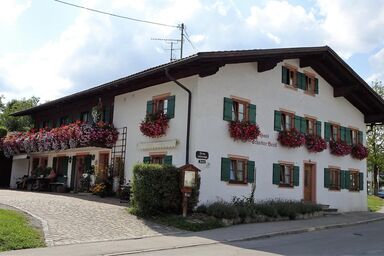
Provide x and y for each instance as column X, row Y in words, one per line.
column 58, row 185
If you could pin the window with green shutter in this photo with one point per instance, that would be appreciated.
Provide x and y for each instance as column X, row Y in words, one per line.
column 348, row 136
column 354, row 178
column 327, row 131
column 239, row 110
column 158, row 159
column 347, row 179
column 301, row 81
column 285, row 175
column 277, row 121
column 149, row 107
column 332, row 178
column 360, row 137
column 168, row 160
column 147, row 160
column 343, row 134
column 326, row 177
column 361, row 181
column 289, row 76
column 284, row 75
column 171, row 107
column 316, row 86
column 162, row 104
column 227, row 110
column 225, row 169
column 252, row 113
column 318, row 128
column 303, row 125
column 237, row 170
column 251, row 171
column 297, row 123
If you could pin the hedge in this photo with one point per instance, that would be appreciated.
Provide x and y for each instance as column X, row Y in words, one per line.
column 156, row 190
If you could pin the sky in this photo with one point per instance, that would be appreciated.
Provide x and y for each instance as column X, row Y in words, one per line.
column 49, row 49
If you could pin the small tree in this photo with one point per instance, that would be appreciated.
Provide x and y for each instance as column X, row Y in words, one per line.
column 375, row 143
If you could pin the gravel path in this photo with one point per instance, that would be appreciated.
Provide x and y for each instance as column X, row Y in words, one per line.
column 70, row 220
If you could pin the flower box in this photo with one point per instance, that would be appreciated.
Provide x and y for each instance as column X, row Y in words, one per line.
column 315, row 143
column 154, row 125
column 359, row 151
column 339, row 148
column 244, row 131
column 292, row 138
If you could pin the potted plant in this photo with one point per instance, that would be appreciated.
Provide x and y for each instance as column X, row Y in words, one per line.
column 292, row 138
column 244, row 131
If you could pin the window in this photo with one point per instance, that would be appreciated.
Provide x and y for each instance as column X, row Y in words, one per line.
column 310, row 84
column 85, row 117
column 287, row 121
column 64, row 120
column 60, row 165
column 289, row 76
column 46, row 124
column 239, row 110
column 286, row 175
column 311, row 126
column 158, row 159
column 354, row 181
column 237, row 170
column 354, row 136
column 335, row 132
column 334, row 179
column 162, row 104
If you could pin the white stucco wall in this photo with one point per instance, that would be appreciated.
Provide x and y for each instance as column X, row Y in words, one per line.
column 19, row 169
column 209, row 132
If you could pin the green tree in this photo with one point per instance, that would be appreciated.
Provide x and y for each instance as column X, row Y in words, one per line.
column 20, row 123
column 375, row 143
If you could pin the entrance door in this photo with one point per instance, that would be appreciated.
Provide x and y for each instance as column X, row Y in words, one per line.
column 309, row 183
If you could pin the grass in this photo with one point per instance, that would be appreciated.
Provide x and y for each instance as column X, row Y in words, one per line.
column 190, row 224
column 375, row 203
column 16, row 233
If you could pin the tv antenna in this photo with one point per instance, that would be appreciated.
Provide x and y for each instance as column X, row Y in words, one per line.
column 172, row 43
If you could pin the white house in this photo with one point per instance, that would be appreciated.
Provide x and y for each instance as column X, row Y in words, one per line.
column 310, row 89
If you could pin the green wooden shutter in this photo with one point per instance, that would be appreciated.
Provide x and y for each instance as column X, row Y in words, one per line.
column 327, row 131
column 303, row 126
column 296, row 175
column 150, row 107
column 347, row 179
column 252, row 113
column 342, row 179
column 87, row 162
column 58, row 123
column 107, row 114
column 348, row 136
column 361, row 181
column 168, row 160
column 251, row 171
column 54, row 164
column 318, row 128
column 65, row 165
column 73, row 172
column 225, row 169
column 276, row 174
column 277, row 121
column 343, row 133
column 316, row 86
column 297, row 123
column 326, row 177
column 300, row 80
column 171, row 107
column 285, row 75
column 227, row 111
column 147, row 160
column 360, row 137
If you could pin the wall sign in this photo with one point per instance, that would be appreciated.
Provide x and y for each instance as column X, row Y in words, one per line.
column 202, row 155
column 202, row 161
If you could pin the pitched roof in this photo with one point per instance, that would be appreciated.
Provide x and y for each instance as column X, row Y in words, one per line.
column 346, row 82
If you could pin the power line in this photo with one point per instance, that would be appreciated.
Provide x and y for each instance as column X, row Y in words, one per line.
column 116, row 15
column 187, row 37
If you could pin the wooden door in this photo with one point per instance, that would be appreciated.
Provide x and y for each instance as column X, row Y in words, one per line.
column 309, row 183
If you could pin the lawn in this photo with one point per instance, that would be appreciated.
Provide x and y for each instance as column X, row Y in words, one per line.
column 375, row 203
column 16, row 233
column 189, row 223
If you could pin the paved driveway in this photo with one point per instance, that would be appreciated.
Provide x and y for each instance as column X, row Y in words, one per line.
column 69, row 220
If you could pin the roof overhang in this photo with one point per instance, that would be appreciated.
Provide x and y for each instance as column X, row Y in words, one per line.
column 323, row 60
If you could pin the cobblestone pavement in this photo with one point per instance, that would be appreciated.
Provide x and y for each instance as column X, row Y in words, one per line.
column 69, row 220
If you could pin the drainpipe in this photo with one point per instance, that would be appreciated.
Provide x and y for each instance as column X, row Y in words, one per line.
column 189, row 112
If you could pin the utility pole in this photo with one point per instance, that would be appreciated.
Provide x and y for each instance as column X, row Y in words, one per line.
column 181, row 27
column 175, row 41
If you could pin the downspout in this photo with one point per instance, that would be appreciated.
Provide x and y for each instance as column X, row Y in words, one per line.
column 189, row 112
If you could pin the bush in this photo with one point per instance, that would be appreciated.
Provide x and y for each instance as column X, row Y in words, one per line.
column 3, row 131
column 223, row 210
column 201, row 208
column 156, row 190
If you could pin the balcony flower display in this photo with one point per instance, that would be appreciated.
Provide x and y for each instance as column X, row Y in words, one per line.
column 154, row 125
column 359, row 151
column 292, row 138
column 73, row 135
column 315, row 143
column 244, row 131
column 339, row 148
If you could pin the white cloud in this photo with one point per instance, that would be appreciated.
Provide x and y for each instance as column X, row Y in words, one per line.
column 377, row 63
column 11, row 9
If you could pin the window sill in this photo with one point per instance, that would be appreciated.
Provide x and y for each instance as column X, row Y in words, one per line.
column 241, row 183
column 291, row 87
column 334, row 189
column 285, row 186
column 310, row 93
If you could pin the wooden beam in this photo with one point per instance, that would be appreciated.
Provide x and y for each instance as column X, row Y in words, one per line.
column 374, row 118
column 208, row 71
column 267, row 64
column 344, row 91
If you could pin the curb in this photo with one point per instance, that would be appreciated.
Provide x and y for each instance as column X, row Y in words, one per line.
column 256, row 237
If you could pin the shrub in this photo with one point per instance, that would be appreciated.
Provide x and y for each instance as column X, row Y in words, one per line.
column 222, row 210
column 201, row 208
column 156, row 190
column 3, row 131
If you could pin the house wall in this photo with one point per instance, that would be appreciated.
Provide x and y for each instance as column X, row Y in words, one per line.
column 209, row 132
column 19, row 169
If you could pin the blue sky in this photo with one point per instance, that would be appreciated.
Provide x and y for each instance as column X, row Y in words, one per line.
column 49, row 50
